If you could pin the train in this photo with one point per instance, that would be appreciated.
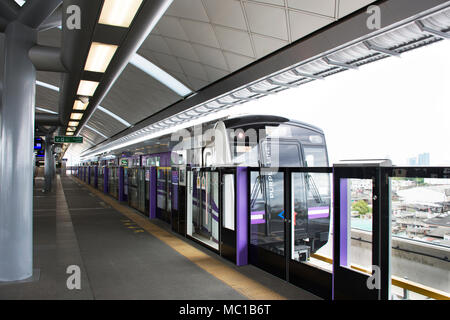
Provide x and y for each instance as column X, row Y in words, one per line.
column 264, row 143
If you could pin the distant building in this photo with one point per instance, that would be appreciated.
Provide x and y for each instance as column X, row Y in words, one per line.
column 412, row 162
column 424, row 159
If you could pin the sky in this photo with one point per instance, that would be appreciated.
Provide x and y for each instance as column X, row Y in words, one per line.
column 396, row 108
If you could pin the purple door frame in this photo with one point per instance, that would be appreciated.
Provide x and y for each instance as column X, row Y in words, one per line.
column 152, row 195
column 241, row 216
column 121, row 184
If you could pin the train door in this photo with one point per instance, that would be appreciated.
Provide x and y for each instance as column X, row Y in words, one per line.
column 113, row 182
column 147, row 191
column 132, row 187
column 270, row 221
column 100, row 178
column 141, row 190
column 174, row 200
column 125, row 184
column 203, row 213
column 181, row 203
column 163, row 205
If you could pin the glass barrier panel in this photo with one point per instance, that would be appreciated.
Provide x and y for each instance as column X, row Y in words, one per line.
column 356, row 224
column 228, row 201
column 420, row 229
column 311, row 237
column 267, row 211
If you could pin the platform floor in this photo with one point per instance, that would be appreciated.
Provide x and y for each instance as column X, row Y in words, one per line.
column 123, row 255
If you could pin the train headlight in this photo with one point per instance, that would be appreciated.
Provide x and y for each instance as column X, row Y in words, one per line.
column 316, row 139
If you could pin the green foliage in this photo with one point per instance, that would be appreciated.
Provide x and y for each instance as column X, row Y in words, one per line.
column 361, row 207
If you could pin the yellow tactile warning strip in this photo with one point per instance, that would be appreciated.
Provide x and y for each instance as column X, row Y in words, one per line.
column 239, row 282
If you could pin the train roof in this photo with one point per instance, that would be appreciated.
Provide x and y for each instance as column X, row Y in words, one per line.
column 241, row 120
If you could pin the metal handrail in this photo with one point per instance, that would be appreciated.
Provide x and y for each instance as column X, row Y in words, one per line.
column 398, row 282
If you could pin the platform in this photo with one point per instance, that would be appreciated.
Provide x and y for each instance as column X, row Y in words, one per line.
column 123, row 255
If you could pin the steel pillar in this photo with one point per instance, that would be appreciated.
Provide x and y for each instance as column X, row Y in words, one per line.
column 48, row 164
column 16, row 159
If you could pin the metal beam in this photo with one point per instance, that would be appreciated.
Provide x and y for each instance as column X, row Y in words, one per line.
column 34, row 13
column 437, row 33
column 43, row 119
column 47, row 58
column 9, row 10
column 376, row 48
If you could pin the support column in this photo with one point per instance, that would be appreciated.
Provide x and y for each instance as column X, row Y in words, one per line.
column 48, row 165
column 16, row 159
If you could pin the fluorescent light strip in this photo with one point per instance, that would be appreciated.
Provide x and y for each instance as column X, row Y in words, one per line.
column 46, row 85
column 160, row 75
column 87, row 88
column 118, row 12
column 79, row 106
column 96, row 131
column 114, row 116
column 46, row 110
column 99, row 57
column 76, row 116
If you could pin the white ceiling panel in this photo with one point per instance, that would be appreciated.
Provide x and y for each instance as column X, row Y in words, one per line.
column 348, row 6
column 200, row 32
column 182, row 49
column 234, row 40
column 265, row 45
column 211, row 56
column 324, row 7
column 189, row 9
column 171, row 27
column 303, row 24
column 226, row 13
column 266, row 20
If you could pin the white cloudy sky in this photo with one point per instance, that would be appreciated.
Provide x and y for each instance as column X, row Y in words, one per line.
column 398, row 107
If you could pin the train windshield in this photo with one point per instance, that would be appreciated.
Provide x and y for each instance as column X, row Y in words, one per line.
column 315, row 156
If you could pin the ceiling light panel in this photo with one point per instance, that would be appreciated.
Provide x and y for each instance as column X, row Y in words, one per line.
column 119, row 13
column 73, row 124
column 87, row 88
column 79, row 106
column 76, row 116
column 99, row 57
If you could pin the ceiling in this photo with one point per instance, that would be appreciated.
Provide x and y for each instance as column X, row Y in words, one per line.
column 198, row 42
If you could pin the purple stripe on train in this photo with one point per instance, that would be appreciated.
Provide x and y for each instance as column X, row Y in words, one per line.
column 318, row 212
column 257, row 217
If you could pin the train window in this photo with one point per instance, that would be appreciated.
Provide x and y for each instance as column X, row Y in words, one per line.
column 315, row 156
column 281, row 154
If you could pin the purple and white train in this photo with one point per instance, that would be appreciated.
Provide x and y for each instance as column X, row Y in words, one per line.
column 262, row 143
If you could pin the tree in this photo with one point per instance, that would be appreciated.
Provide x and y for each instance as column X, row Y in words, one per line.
column 361, row 207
